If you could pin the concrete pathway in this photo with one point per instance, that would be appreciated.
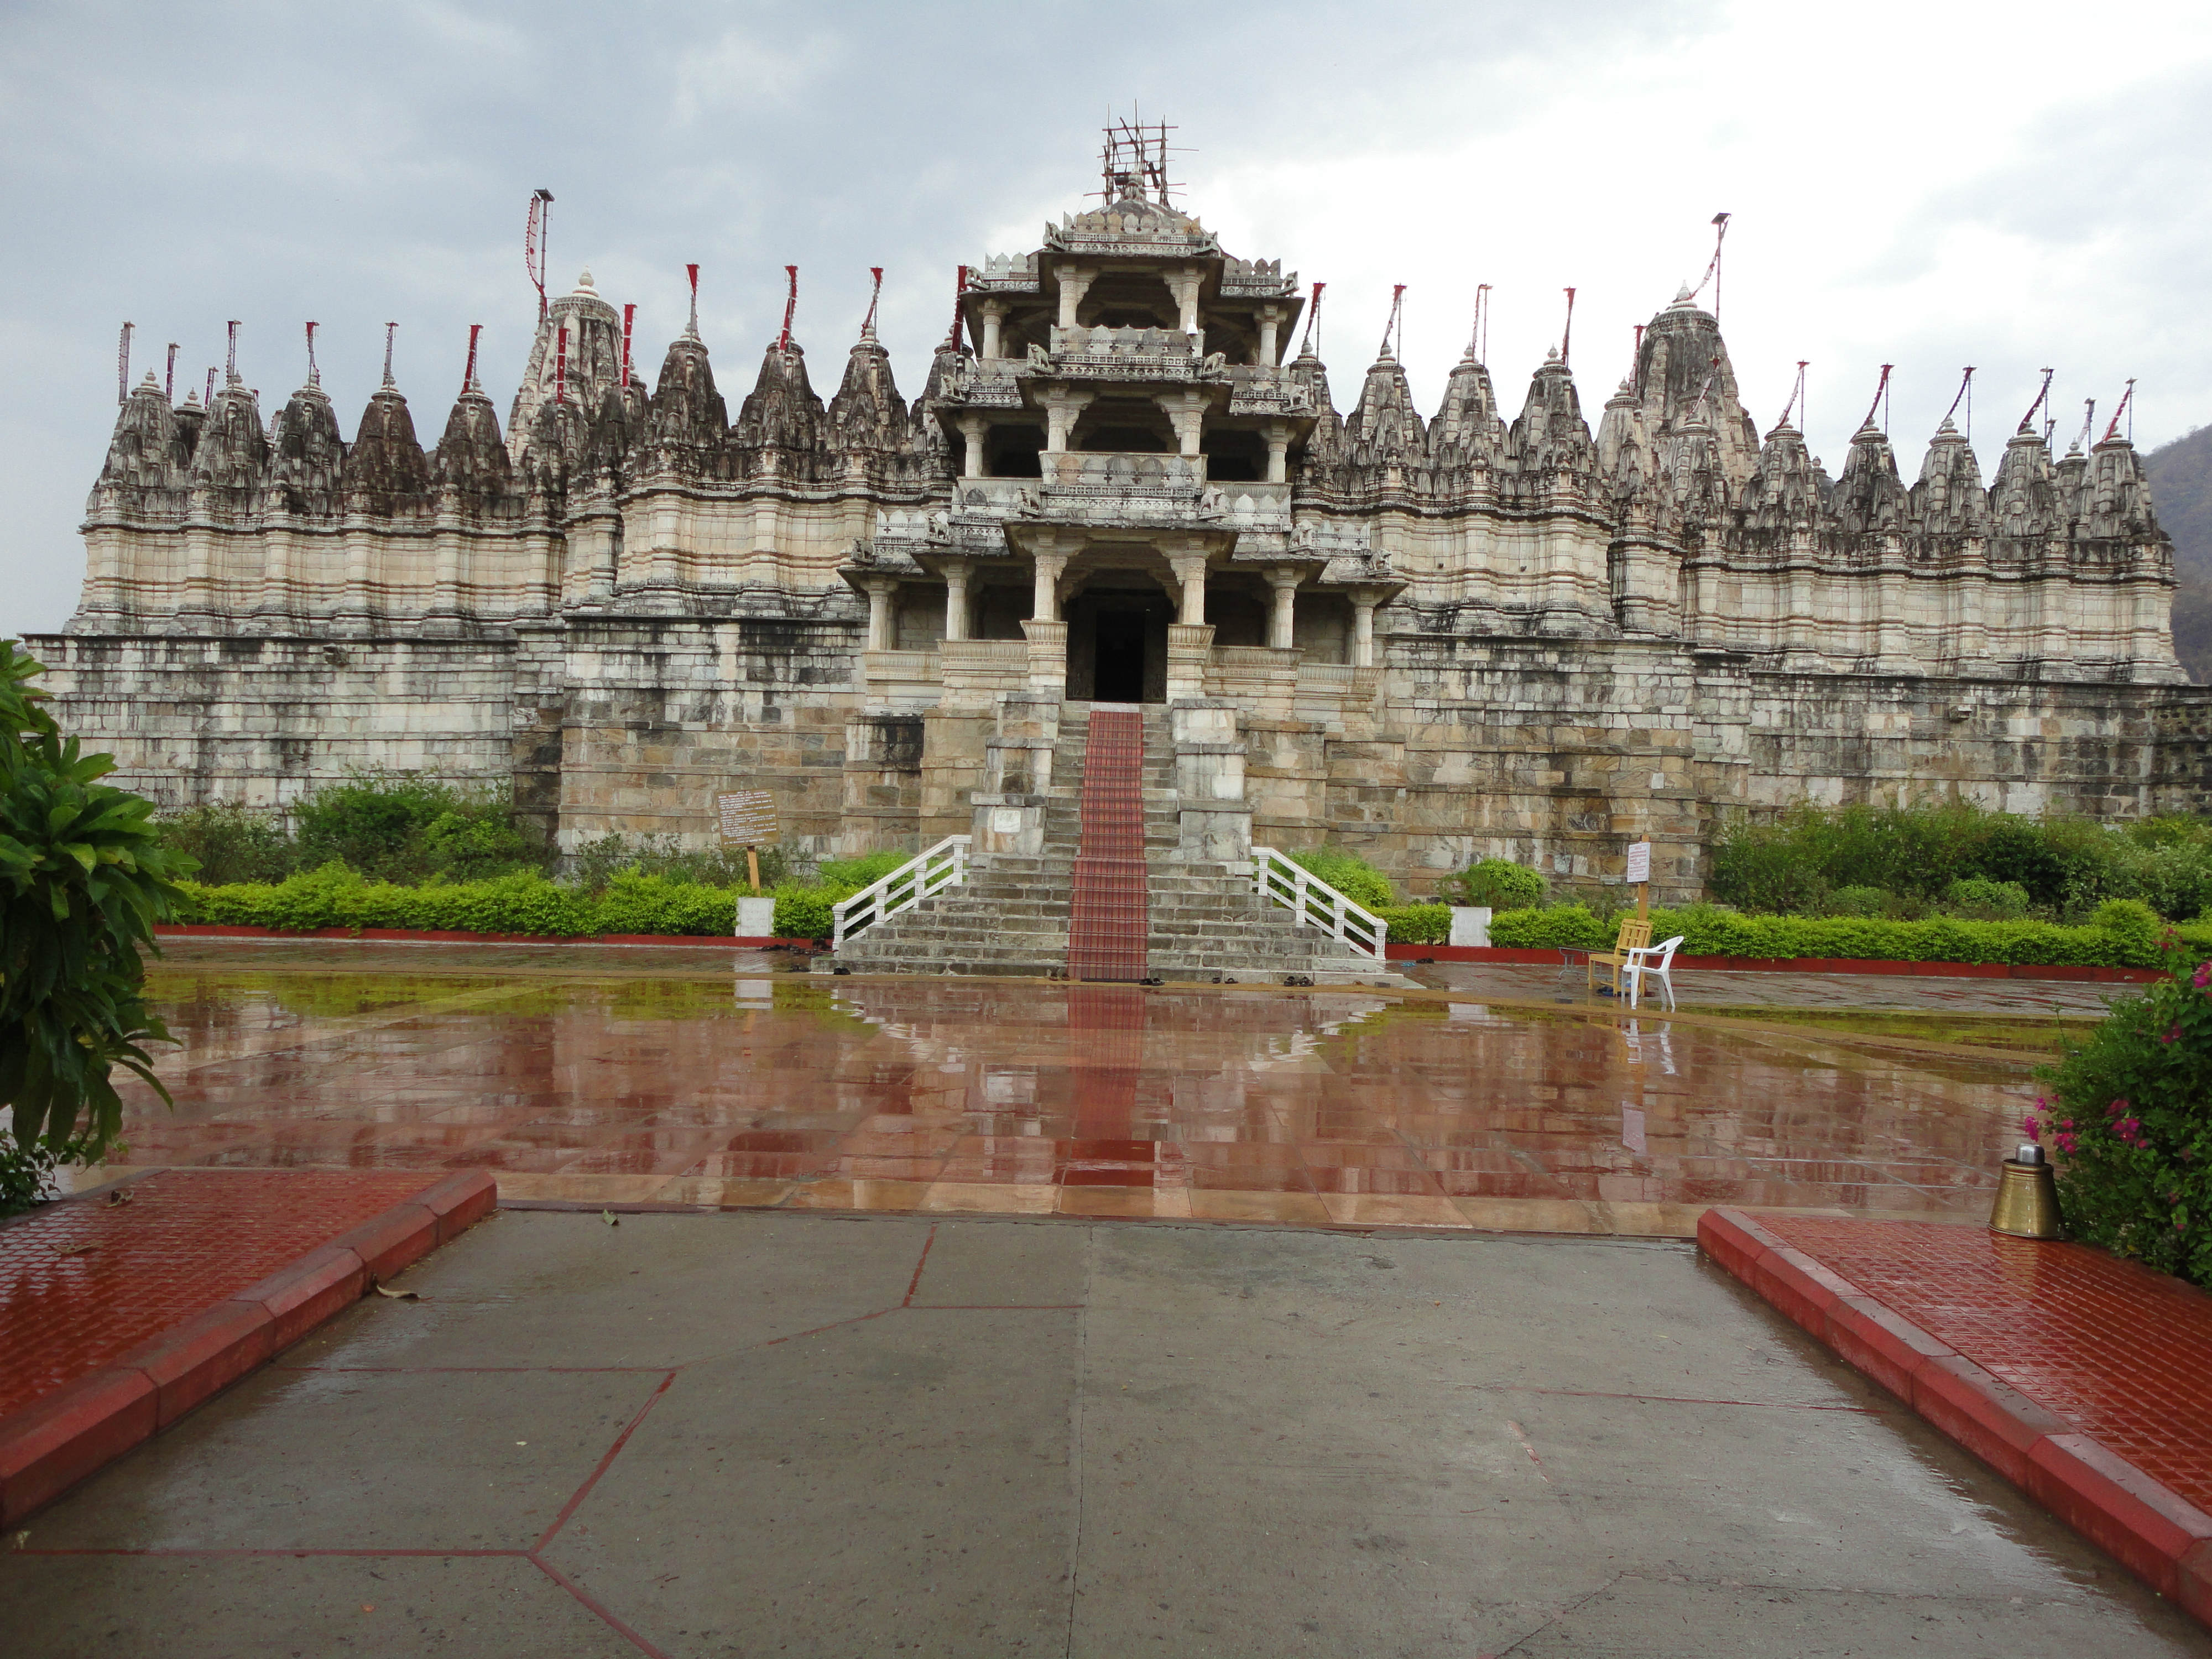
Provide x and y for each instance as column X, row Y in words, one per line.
column 792, row 1434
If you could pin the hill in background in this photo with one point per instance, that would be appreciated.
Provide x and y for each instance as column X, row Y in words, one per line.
column 2181, row 491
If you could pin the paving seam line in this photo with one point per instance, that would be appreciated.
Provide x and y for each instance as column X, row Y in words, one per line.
column 2152, row 1530
column 50, row 1445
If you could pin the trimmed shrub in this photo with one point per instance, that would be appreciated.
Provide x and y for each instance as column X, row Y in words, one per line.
column 1978, row 899
column 1349, row 874
column 1708, row 930
column 2129, row 1117
column 1858, row 902
column 638, row 903
column 853, row 874
column 2130, row 918
column 595, row 864
column 1498, row 882
column 1417, row 924
column 803, row 912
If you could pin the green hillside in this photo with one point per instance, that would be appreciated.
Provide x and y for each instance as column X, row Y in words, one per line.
column 2181, row 488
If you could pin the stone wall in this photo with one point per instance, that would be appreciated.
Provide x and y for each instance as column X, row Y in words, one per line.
column 258, row 720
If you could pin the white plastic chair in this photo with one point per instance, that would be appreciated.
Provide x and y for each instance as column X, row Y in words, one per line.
column 1655, row 959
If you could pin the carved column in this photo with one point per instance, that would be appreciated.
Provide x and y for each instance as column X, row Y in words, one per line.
column 1363, row 630
column 1190, row 570
column 1282, row 621
column 972, row 428
column 1271, row 317
column 1062, row 406
column 1074, row 283
column 1044, row 599
column 956, row 601
column 994, row 315
column 879, row 589
column 1186, row 411
column 1279, row 451
column 1184, row 285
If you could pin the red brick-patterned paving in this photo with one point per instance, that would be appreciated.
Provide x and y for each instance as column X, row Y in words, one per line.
column 2123, row 1353
column 84, row 1282
column 1109, row 924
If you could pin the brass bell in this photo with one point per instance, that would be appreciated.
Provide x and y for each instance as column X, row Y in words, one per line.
column 2027, row 1196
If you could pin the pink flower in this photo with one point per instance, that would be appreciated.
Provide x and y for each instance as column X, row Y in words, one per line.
column 2202, row 976
column 2171, row 1035
column 2066, row 1145
column 2031, row 1127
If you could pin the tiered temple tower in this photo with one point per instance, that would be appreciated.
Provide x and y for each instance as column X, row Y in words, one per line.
column 1432, row 639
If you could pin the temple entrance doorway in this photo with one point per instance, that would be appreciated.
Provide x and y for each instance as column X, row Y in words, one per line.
column 1117, row 644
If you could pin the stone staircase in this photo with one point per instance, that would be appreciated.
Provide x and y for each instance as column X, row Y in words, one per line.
column 1064, row 911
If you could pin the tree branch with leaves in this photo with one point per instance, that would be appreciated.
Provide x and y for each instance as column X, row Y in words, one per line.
column 83, row 880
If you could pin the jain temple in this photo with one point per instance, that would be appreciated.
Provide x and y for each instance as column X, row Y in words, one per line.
column 1431, row 638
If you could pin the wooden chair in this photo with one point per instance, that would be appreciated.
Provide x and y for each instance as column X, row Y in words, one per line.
column 1635, row 935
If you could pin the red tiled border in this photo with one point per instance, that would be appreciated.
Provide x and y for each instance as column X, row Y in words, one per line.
column 1549, row 957
column 2157, row 1535
column 437, row 936
column 50, row 1445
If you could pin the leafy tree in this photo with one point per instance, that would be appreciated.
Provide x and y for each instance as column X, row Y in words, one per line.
column 83, row 879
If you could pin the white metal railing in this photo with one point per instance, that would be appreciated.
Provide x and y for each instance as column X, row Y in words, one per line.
column 1317, row 904
column 942, row 865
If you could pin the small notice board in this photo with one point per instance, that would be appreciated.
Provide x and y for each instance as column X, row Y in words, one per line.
column 1639, row 861
column 746, row 818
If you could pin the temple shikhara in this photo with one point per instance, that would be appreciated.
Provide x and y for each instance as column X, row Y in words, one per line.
column 1126, row 479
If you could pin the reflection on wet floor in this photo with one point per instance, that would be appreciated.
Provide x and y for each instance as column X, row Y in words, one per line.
column 1262, row 1103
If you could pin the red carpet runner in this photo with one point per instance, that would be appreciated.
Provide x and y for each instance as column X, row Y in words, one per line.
column 1107, row 924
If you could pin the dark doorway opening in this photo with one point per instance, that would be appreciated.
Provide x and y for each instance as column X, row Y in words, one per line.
column 1117, row 645
column 1121, row 670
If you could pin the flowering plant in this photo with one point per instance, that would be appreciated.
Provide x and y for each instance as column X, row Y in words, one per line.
column 2128, row 1118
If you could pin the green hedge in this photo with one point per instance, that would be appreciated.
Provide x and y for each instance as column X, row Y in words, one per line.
column 1709, row 931
column 527, row 902
column 1417, row 924
column 335, row 896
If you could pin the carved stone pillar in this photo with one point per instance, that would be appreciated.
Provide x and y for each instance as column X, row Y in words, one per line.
column 1279, row 451
column 955, row 602
column 879, row 589
column 1184, row 285
column 972, row 428
column 1061, row 407
column 1044, row 599
column 1282, row 621
column 1190, row 571
column 1074, row 283
column 994, row 315
column 1271, row 317
column 1186, row 413
column 1363, row 630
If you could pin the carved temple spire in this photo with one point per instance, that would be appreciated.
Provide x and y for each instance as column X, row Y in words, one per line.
column 385, row 469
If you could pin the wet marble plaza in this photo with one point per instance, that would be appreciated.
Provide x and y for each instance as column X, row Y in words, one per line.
column 1497, row 1100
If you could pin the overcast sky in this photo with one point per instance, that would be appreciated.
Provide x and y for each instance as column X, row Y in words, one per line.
column 2015, row 186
